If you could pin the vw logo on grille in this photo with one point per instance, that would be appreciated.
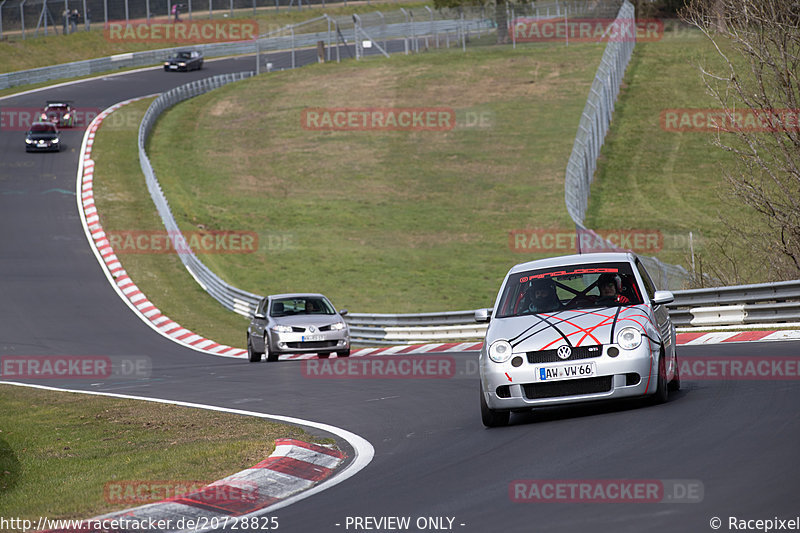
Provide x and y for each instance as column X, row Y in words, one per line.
column 564, row 352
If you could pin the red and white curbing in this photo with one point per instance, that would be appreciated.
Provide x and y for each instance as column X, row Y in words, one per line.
column 116, row 274
column 151, row 315
column 293, row 467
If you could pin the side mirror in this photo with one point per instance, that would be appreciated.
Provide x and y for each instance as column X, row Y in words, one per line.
column 342, row 312
column 483, row 315
column 260, row 316
column 663, row 297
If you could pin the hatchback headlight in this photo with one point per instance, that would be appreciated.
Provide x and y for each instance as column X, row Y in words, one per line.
column 338, row 326
column 629, row 338
column 500, row 351
column 282, row 329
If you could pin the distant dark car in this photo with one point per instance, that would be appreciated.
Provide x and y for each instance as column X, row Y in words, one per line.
column 185, row 60
column 42, row 137
column 59, row 113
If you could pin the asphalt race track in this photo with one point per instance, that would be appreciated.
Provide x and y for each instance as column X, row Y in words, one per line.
column 737, row 439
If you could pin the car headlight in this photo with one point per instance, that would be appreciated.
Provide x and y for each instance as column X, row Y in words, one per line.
column 182, row 64
column 500, row 351
column 29, row 141
column 66, row 116
column 43, row 116
column 166, row 63
column 282, row 329
column 338, row 326
column 54, row 141
column 629, row 338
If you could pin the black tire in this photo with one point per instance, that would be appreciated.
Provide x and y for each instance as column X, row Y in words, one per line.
column 675, row 382
column 253, row 355
column 493, row 418
column 662, row 393
column 272, row 357
column 345, row 353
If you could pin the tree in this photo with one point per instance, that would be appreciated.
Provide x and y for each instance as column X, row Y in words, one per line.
column 757, row 86
column 500, row 18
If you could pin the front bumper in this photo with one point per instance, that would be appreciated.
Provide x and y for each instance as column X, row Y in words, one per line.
column 631, row 373
column 320, row 342
column 47, row 147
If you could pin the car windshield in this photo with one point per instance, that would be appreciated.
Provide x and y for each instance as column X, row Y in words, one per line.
column 572, row 287
column 184, row 55
column 56, row 107
column 301, row 306
column 43, row 128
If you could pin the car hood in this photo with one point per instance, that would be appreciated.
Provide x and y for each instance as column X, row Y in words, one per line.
column 579, row 327
column 42, row 136
column 307, row 320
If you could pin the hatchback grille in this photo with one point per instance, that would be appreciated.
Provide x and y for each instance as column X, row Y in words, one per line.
column 578, row 352
column 570, row 387
column 313, row 344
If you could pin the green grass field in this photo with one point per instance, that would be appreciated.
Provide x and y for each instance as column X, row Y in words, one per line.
column 381, row 221
column 62, row 454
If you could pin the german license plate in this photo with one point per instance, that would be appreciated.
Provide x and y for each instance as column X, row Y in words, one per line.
column 556, row 373
column 173, row 66
column 311, row 338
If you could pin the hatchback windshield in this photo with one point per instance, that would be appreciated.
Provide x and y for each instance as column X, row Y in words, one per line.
column 43, row 128
column 572, row 287
column 301, row 306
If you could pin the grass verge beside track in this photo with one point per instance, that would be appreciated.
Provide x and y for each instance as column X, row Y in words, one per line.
column 60, row 450
column 380, row 221
column 652, row 178
column 124, row 204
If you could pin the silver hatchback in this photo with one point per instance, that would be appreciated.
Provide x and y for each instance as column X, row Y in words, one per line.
column 297, row 323
column 575, row 329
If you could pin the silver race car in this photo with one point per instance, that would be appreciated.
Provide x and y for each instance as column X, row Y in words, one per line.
column 574, row 329
column 297, row 324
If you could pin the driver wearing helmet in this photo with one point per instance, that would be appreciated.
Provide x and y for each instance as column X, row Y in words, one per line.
column 540, row 297
column 610, row 286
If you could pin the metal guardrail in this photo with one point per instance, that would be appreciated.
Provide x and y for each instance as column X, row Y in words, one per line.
column 771, row 302
column 289, row 41
column 234, row 299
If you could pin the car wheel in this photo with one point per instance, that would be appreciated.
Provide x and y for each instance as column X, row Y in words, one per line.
column 492, row 418
column 345, row 353
column 675, row 382
column 253, row 355
column 662, row 394
column 271, row 356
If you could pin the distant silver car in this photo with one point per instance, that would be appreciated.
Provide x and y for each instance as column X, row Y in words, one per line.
column 574, row 329
column 297, row 323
